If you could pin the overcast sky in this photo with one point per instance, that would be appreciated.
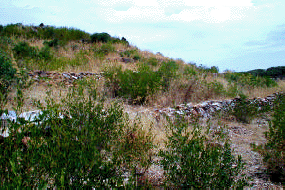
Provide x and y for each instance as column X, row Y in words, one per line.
column 238, row 35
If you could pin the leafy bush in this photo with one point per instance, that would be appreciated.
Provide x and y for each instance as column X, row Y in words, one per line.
column 118, row 40
column 5, row 42
column 189, row 71
column 23, row 50
column 214, row 89
column 134, row 85
column 45, row 53
column 274, row 150
column 129, row 53
column 7, row 76
column 137, row 57
column 12, row 30
column 107, row 48
column 244, row 109
column 191, row 160
column 77, row 143
column 52, row 43
column 248, row 80
column 100, row 37
column 152, row 61
column 168, row 72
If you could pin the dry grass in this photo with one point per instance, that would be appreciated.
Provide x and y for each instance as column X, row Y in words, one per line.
column 263, row 92
column 36, row 92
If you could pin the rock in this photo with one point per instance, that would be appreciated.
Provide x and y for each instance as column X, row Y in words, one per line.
column 31, row 115
column 127, row 60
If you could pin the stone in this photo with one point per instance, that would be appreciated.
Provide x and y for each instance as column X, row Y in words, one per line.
column 128, row 60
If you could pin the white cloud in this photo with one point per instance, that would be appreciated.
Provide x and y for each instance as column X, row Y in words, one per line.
column 217, row 3
column 210, row 14
column 133, row 14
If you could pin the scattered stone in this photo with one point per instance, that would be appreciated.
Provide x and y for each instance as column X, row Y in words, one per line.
column 128, row 60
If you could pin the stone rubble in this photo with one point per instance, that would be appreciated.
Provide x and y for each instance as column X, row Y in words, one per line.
column 208, row 108
column 67, row 78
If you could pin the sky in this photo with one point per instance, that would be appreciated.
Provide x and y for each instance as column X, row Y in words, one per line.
column 237, row 35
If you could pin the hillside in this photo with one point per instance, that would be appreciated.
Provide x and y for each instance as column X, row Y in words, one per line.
column 91, row 81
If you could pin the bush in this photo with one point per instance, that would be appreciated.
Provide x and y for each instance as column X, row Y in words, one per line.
column 77, row 143
column 5, row 42
column 244, row 109
column 52, row 43
column 7, row 76
column 248, row 80
column 152, row 61
column 136, row 86
column 100, row 37
column 118, row 40
column 214, row 89
column 168, row 72
column 23, row 50
column 107, row 48
column 273, row 151
column 45, row 53
column 191, row 160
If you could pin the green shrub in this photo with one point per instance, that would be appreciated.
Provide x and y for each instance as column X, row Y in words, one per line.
column 214, row 89
column 23, row 50
column 273, row 151
column 100, row 37
column 248, row 80
column 118, row 40
column 5, row 42
column 45, row 53
column 168, row 72
column 107, row 48
column 233, row 90
column 52, row 43
column 136, row 86
column 129, row 53
column 12, row 30
column 152, row 61
column 191, row 160
column 189, row 71
column 244, row 109
column 76, row 143
column 7, row 77
column 137, row 57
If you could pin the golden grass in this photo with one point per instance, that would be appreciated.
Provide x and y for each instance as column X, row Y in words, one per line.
column 36, row 92
column 263, row 92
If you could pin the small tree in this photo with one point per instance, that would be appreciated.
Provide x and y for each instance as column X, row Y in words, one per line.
column 100, row 37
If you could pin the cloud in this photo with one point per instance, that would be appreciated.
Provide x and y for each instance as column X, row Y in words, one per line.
column 217, row 3
column 274, row 41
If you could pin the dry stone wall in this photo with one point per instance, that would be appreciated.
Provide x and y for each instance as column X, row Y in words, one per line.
column 67, row 78
column 208, row 108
